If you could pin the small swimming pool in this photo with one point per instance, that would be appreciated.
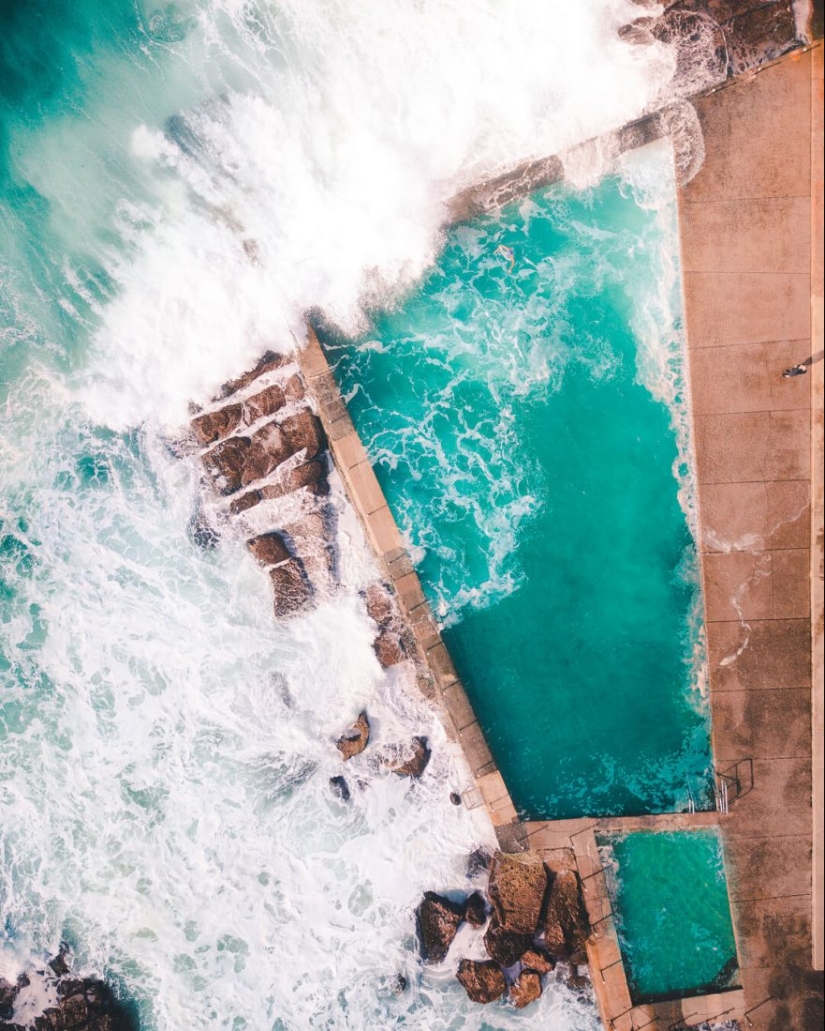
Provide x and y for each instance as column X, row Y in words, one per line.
column 524, row 411
column 672, row 913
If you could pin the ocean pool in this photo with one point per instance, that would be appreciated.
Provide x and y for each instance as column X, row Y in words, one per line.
column 525, row 414
column 673, row 917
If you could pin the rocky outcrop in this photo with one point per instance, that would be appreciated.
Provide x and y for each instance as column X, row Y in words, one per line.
column 262, row 445
column 525, row 989
column 382, row 609
column 537, row 961
column 355, row 740
column 535, row 916
column 83, row 1004
column 269, row 548
column 505, row 945
column 482, row 981
column 415, row 765
column 564, row 918
column 517, row 888
column 475, row 910
column 339, row 787
column 437, row 921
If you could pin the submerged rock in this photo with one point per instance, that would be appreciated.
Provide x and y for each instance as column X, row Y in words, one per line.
column 482, row 981
column 8, row 993
column 437, row 920
column 389, row 648
column 478, row 861
column 355, row 740
column 379, row 604
column 565, row 921
column 292, row 590
column 414, row 766
column 475, row 910
column 517, row 888
column 339, row 788
column 525, row 989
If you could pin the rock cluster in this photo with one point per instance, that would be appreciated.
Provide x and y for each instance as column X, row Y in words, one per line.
column 404, row 760
column 389, row 643
column 533, row 918
column 716, row 39
column 82, row 1004
column 265, row 455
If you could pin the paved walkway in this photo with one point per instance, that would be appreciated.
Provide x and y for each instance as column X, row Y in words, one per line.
column 746, row 228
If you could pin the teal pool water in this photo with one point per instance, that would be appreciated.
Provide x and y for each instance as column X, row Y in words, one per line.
column 524, row 412
column 673, row 916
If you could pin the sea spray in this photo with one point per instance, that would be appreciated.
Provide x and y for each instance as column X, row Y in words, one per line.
column 179, row 184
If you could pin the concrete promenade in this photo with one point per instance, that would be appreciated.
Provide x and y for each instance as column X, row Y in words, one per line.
column 748, row 221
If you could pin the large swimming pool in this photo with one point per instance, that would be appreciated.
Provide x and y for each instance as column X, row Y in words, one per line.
column 525, row 414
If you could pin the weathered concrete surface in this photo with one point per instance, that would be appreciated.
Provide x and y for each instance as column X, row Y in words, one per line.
column 748, row 224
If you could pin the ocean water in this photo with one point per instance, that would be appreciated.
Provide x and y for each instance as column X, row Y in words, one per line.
column 673, row 914
column 179, row 183
column 526, row 411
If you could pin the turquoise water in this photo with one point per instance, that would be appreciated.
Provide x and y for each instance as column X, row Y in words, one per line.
column 673, row 915
column 528, row 427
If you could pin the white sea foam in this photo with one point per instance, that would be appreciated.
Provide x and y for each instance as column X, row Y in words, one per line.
column 166, row 748
column 332, row 134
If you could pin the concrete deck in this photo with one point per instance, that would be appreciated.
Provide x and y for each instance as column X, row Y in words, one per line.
column 746, row 230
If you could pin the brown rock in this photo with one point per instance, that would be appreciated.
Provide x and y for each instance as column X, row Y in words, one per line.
column 379, row 604
column 311, row 475
column 75, row 1011
column 483, row 982
column 268, row 448
column 292, row 591
column 245, row 501
column 294, row 388
column 268, row 363
column 437, row 920
column 269, row 549
column 217, row 425
column 416, row 765
column 475, row 910
column 267, row 402
column 225, row 463
column 535, row 960
column 517, row 888
column 389, row 648
column 304, row 431
column 356, row 739
column 525, row 989
column 505, row 945
column 565, row 921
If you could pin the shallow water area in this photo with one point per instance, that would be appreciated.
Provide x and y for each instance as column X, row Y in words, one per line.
column 673, row 915
column 526, row 415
